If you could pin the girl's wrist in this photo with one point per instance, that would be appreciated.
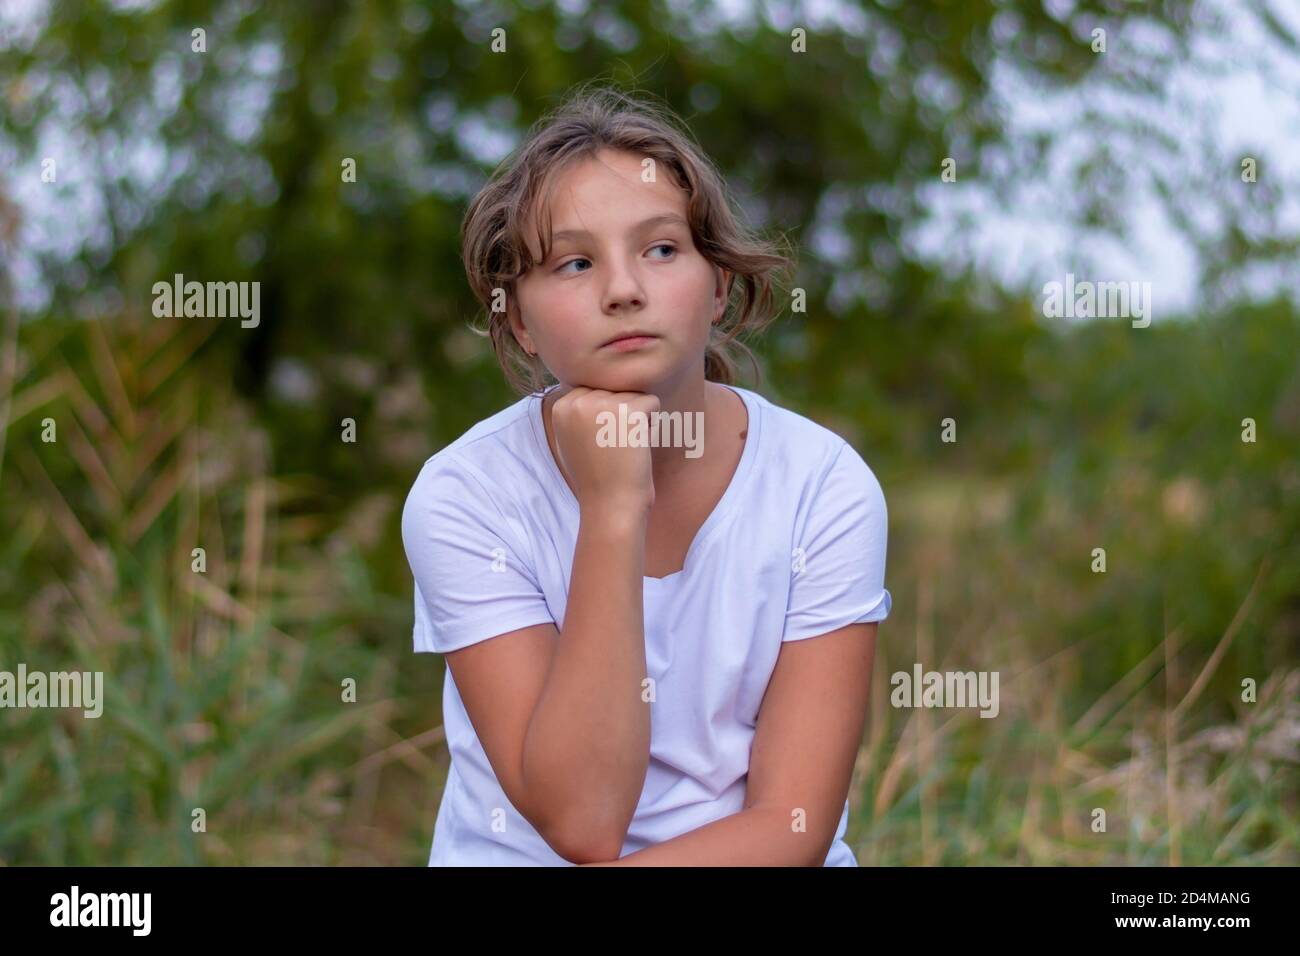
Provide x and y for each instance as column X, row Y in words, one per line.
column 616, row 514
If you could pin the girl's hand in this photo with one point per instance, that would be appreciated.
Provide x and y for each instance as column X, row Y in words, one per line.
column 614, row 476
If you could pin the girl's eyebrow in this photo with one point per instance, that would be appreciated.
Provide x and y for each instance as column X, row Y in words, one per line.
column 661, row 220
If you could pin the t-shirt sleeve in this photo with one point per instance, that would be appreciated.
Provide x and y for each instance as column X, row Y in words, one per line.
column 473, row 579
column 838, row 563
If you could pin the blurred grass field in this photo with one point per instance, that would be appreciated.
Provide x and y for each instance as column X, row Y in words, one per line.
column 1120, row 691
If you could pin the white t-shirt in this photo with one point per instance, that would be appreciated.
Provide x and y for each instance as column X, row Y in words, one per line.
column 795, row 548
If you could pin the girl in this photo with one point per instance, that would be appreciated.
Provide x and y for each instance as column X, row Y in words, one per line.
column 656, row 654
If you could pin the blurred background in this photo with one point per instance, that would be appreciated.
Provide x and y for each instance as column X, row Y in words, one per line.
column 1164, row 690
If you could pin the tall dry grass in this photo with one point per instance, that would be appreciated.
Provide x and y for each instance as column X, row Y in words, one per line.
column 223, row 687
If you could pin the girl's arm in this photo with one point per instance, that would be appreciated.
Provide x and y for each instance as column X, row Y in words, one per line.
column 756, row 836
column 560, row 713
column 587, row 747
column 801, row 764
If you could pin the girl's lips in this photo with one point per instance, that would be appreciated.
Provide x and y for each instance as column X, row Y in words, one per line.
column 630, row 343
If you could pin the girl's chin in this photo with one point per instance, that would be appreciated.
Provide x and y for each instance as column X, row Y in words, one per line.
column 623, row 382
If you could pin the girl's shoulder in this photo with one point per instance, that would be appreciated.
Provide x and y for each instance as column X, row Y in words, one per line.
column 798, row 441
column 483, row 464
column 486, row 443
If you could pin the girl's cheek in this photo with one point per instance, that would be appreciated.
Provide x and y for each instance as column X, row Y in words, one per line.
column 693, row 298
column 563, row 298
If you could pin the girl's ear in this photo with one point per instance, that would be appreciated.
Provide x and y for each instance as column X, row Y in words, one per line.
column 722, row 292
column 517, row 324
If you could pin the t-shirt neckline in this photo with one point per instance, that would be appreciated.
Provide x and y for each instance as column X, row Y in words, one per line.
column 717, row 517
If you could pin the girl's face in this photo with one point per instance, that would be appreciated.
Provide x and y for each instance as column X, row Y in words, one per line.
column 621, row 261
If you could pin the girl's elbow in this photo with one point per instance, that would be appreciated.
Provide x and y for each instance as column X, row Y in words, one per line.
column 579, row 841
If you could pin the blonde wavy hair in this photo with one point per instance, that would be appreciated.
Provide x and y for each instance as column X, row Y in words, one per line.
column 592, row 118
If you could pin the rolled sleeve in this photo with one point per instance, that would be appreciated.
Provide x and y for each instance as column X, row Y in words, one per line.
column 473, row 578
column 838, row 565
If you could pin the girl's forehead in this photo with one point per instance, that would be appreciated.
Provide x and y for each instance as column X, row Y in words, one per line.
column 569, row 195
column 594, row 180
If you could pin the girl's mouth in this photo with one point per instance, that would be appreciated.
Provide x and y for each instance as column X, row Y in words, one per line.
column 629, row 343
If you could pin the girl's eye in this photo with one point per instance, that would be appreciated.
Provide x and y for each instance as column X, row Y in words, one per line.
column 571, row 262
column 663, row 245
